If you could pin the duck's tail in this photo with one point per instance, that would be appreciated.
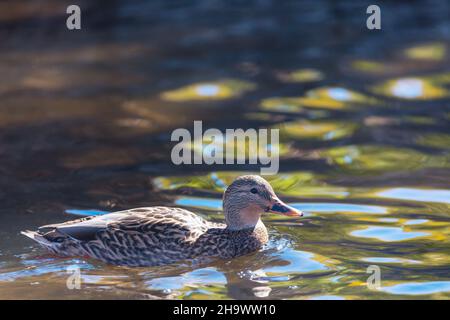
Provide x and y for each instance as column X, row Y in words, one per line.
column 36, row 236
column 59, row 245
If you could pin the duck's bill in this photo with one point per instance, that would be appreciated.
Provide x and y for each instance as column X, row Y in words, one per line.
column 282, row 208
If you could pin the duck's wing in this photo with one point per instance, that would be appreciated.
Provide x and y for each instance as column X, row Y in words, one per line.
column 162, row 225
column 161, row 222
column 84, row 229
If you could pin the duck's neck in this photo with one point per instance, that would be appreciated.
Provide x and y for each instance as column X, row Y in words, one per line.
column 242, row 219
column 244, row 226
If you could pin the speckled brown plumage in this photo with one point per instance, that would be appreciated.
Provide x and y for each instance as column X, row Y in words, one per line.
column 162, row 235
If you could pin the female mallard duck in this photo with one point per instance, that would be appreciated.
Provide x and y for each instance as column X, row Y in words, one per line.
column 161, row 235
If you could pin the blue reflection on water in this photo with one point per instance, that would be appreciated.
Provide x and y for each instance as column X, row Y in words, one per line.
column 418, row 288
column 416, row 221
column 299, row 262
column 408, row 88
column 212, row 204
column 87, row 212
column 387, row 233
column 340, row 94
column 339, row 207
column 425, row 195
column 49, row 266
column 389, row 260
column 197, row 277
column 389, row 220
column 207, row 90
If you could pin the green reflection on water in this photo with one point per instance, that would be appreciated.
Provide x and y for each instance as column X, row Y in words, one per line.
column 297, row 183
column 381, row 158
column 369, row 66
column 436, row 140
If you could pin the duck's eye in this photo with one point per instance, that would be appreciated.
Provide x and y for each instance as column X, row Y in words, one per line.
column 254, row 190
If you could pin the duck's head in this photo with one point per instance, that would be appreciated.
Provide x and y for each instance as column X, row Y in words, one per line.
column 247, row 198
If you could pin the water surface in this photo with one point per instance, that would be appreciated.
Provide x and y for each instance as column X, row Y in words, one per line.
column 86, row 117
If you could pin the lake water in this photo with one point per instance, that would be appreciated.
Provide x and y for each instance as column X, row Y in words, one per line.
column 86, row 117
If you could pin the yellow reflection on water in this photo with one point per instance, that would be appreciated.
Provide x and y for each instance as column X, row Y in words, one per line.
column 431, row 51
column 436, row 140
column 422, row 88
column 215, row 90
column 324, row 98
column 281, row 104
column 223, row 147
column 369, row 66
column 436, row 258
column 322, row 130
column 301, row 75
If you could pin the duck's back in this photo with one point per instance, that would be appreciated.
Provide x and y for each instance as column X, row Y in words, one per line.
column 137, row 237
